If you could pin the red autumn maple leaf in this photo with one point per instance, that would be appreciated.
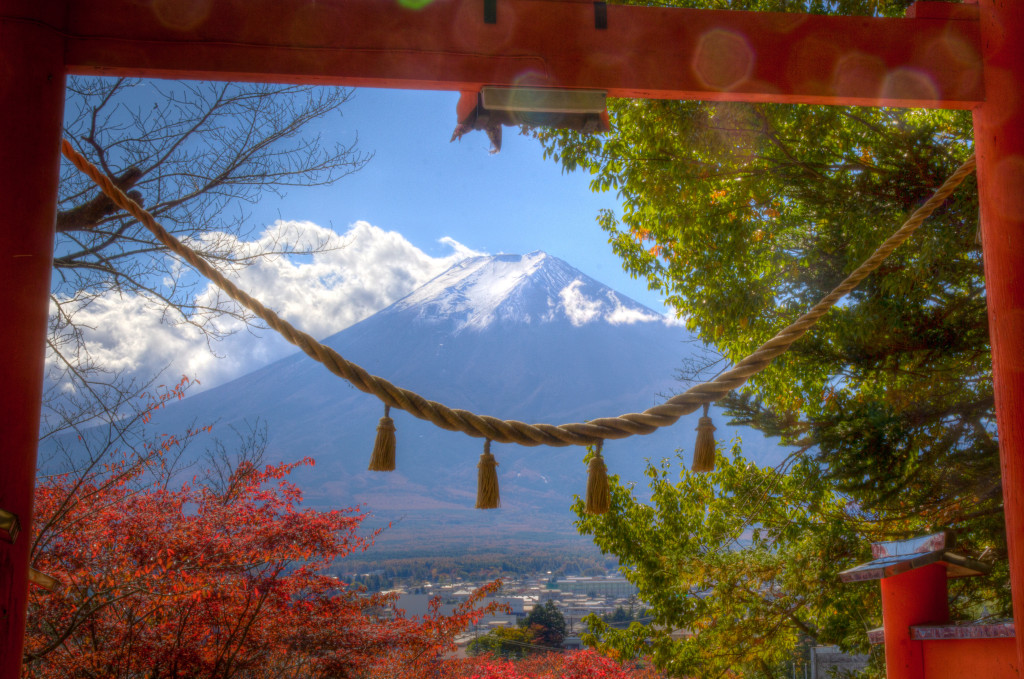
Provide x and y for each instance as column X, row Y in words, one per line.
column 223, row 575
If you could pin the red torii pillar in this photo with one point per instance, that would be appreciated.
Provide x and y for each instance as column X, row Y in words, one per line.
column 999, row 144
column 31, row 112
column 643, row 52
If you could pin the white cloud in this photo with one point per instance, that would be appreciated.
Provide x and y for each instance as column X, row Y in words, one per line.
column 577, row 307
column 580, row 309
column 622, row 315
column 674, row 320
column 359, row 273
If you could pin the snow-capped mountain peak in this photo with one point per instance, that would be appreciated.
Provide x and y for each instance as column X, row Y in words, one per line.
column 534, row 288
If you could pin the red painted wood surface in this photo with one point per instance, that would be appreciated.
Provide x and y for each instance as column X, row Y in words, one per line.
column 931, row 60
column 650, row 52
column 970, row 659
column 999, row 138
column 31, row 102
column 915, row 597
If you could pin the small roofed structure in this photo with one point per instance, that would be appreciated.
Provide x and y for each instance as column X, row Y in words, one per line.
column 920, row 642
column 893, row 558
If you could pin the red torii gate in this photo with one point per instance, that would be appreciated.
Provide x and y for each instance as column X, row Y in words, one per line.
column 941, row 55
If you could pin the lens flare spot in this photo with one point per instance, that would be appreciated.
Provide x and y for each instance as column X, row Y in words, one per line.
column 723, row 59
column 414, row 4
column 952, row 48
column 965, row 61
column 181, row 14
column 857, row 73
column 530, row 78
column 908, row 83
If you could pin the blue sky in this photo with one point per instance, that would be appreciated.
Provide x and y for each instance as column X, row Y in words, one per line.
column 426, row 187
column 419, row 206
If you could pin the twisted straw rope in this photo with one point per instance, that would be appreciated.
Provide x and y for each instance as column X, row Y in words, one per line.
column 512, row 431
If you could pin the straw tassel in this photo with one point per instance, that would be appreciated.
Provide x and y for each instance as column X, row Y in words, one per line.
column 598, row 497
column 487, row 496
column 383, row 458
column 704, row 450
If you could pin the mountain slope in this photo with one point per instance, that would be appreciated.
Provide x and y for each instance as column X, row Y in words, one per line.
column 518, row 337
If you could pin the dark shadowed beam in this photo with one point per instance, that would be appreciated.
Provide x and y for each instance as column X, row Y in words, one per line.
column 932, row 60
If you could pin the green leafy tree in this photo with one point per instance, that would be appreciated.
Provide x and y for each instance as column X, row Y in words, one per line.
column 737, row 566
column 743, row 216
column 547, row 624
column 619, row 615
column 753, row 214
column 511, row 643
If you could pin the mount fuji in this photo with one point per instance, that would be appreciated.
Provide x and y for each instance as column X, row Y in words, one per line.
column 518, row 337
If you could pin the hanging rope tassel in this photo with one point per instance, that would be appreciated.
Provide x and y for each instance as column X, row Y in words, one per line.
column 598, row 496
column 487, row 496
column 383, row 458
column 513, row 431
column 704, row 450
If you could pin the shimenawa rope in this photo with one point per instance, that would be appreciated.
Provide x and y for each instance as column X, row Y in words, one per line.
column 512, row 431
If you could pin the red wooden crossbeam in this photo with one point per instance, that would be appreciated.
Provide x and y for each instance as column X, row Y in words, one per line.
column 932, row 60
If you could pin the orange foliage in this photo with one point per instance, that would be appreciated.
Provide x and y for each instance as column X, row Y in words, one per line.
column 210, row 578
column 585, row 664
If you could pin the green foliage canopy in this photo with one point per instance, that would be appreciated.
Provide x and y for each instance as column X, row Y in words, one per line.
column 736, row 567
column 542, row 629
column 547, row 623
column 743, row 216
column 511, row 643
